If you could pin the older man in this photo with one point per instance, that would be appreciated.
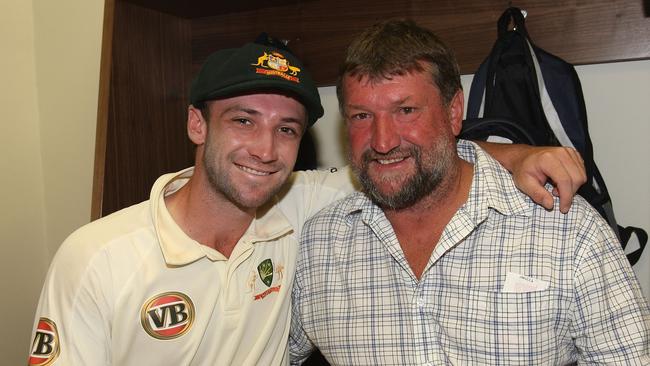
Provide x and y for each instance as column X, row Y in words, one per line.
column 440, row 261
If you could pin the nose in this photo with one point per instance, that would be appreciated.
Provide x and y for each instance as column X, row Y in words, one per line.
column 263, row 146
column 385, row 136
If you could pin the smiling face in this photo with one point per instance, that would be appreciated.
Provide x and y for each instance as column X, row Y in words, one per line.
column 402, row 137
column 250, row 146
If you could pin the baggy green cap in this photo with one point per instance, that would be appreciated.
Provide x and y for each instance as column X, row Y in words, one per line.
column 255, row 67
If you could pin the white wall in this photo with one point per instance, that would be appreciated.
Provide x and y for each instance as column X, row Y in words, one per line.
column 49, row 74
column 617, row 96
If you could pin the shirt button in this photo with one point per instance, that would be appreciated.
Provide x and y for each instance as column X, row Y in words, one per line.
column 421, row 302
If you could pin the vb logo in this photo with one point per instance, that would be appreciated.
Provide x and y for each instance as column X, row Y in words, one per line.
column 45, row 347
column 168, row 315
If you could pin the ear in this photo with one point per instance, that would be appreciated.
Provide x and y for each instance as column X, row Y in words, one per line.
column 456, row 110
column 197, row 126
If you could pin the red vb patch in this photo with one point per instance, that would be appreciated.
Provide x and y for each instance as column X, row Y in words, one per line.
column 168, row 315
column 45, row 346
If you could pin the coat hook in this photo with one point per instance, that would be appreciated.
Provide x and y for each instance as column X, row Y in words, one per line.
column 524, row 13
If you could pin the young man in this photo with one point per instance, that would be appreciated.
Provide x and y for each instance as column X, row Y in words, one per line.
column 200, row 274
column 440, row 261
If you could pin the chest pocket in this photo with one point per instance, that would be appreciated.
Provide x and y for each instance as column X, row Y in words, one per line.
column 501, row 326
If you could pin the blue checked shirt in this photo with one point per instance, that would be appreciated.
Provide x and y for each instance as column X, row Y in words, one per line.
column 509, row 283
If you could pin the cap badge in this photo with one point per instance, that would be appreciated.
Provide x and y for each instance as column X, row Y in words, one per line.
column 276, row 64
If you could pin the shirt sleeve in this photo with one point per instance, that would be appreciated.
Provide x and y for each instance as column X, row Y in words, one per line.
column 611, row 316
column 72, row 325
column 300, row 347
column 307, row 192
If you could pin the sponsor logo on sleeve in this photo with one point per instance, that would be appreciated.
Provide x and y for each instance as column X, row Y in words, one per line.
column 168, row 315
column 275, row 64
column 45, row 346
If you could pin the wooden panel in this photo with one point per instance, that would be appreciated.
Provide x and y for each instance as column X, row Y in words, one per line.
column 146, row 133
column 581, row 32
column 204, row 8
column 102, row 110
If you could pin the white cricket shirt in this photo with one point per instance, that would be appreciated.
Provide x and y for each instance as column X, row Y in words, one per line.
column 133, row 289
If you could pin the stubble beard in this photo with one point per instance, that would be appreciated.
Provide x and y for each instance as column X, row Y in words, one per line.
column 222, row 183
column 431, row 167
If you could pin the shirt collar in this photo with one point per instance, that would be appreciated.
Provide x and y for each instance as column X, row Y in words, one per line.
column 492, row 188
column 178, row 249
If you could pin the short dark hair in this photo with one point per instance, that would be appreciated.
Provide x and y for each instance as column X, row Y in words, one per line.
column 203, row 107
column 397, row 47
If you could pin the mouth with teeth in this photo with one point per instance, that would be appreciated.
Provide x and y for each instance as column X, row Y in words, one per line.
column 390, row 161
column 253, row 171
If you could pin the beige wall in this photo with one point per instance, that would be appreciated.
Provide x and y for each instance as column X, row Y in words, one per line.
column 68, row 49
column 49, row 71
column 22, row 228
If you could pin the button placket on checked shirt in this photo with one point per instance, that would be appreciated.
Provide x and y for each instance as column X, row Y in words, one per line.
column 427, row 331
column 418, row 321
column 425, row 328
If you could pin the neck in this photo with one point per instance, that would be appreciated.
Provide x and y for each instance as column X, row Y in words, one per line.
column 207, row 216
column 419, row 227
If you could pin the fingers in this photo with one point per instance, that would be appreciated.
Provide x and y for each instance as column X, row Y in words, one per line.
column 562, row 166
column 575, row 168
column 565, row 168
column 564, row 188
column 536, row 191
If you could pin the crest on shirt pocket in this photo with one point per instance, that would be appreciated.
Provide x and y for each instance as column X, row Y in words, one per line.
column 45, row 346
column 267, row 279
column 167, row 315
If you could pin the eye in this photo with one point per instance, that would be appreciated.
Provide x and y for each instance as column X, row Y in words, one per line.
column 406, row 110
column 288, row 131
column 359, row 116
column 242, row 121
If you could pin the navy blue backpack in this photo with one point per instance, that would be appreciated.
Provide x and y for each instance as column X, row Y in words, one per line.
column 523, row 94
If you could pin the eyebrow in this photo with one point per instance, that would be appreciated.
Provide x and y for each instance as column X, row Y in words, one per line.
column 402, row 101
column 239, row 108
column 254, row 112
column 395, row 103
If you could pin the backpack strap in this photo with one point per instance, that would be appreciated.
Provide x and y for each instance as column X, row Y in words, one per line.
column 476, row 99
column 490, row 127
column 626, row 235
